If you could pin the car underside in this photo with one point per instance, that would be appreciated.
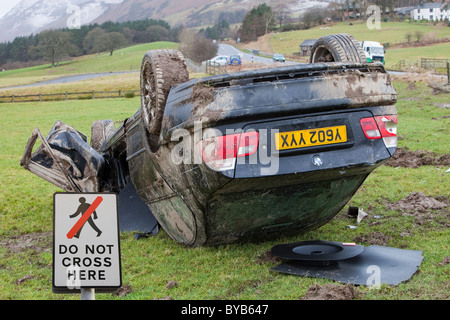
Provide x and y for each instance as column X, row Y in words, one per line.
column 235, row 157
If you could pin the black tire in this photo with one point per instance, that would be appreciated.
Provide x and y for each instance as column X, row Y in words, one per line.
column 340, row 47
column 160, row 71
column 101, row 132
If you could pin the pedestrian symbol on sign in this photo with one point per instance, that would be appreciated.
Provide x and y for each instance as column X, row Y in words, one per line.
column 86, row 210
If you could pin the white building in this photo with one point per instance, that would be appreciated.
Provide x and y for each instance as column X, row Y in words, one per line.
column 434, row 11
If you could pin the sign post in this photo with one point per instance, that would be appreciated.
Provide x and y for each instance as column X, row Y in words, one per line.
column 86, row 248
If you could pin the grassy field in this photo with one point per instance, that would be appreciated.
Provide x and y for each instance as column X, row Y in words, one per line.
column 124, row 82
column 390, row 32
column 127, row 59
column 236, row 271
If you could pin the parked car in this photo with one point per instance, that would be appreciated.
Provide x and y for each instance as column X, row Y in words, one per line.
column 234, row 60
column 278, row 57
column 235, row 157
column 219, row 60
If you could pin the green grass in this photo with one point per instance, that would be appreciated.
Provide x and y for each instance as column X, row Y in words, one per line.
column 414, row 54
column 126, row 59
column 422, row 125
column 390, row 32
column 230, row 271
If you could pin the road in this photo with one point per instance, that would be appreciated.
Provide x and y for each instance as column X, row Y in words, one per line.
column 228, row 50
column 68, row 79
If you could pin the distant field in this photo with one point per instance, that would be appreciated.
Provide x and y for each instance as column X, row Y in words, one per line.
column 124, row 82
column 123, row 60
column 413, row 55
column 390, row 32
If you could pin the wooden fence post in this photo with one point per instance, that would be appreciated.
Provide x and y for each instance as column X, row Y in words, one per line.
column 448, row 72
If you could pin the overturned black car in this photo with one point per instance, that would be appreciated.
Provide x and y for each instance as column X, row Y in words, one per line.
column 235, row 157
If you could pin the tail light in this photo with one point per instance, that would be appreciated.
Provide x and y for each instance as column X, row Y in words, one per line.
column 384, row 127
column 220, row 153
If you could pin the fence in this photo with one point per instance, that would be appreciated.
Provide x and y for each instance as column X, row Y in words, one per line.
column 400, row 65
column 433, row 63
column 69, row 96
column 215, row 68
column 205, row 67
column 436, row 65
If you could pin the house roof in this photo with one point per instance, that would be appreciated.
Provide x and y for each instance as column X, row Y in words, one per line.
column 430, row 5
column 308, row 42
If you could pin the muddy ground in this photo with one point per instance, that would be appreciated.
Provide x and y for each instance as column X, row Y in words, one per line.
column 406, row 158
column 417, row 202
column 330, row 292
column 36, row 241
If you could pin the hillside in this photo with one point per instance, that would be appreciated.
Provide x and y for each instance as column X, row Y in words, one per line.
column 390, row 34
column 34, row 16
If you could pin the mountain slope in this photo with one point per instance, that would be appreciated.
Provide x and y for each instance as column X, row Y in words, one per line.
column 34, row 16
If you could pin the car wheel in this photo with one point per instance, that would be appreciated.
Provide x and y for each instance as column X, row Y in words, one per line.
column 160, row 71
column 101, row 132
column 339, row 47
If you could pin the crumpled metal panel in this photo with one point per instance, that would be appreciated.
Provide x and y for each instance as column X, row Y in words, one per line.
column 64, row 159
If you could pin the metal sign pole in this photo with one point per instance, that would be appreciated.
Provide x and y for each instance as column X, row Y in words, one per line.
column 88, row 294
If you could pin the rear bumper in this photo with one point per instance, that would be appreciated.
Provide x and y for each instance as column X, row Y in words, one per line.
column 254, row 209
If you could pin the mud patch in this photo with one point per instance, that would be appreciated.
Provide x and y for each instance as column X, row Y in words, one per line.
column 123, row 291
column 417, row 202
column 201, row 96
column 173, row 67
column 439, row 88
column 444, row 261
column 406, row 158
column 330, row 292
column 23, row 279
column 412, row 86
column 171, row 284
column 442, row 105
column 267, row 257
column 375, row 238
column 38, row 242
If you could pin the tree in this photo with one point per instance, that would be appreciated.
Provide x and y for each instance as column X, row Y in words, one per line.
column 408, row 37
column 268, row 18
column 281, row 14
column 53, row 44
column 110, row 42
column 196, row 47
column 157, row 33
column 257, row 22
column 90, row 41
column 418, row 35
column 314, row 16
column 218, row 31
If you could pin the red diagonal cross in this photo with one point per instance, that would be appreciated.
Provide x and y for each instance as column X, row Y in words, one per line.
column 84, row 217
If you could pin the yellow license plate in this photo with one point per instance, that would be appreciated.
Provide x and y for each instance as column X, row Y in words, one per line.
column 310, row 137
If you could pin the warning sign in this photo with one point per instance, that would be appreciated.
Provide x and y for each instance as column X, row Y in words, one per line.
column 86, row 249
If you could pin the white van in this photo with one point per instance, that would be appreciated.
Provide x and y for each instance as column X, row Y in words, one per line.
column 374, row 51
